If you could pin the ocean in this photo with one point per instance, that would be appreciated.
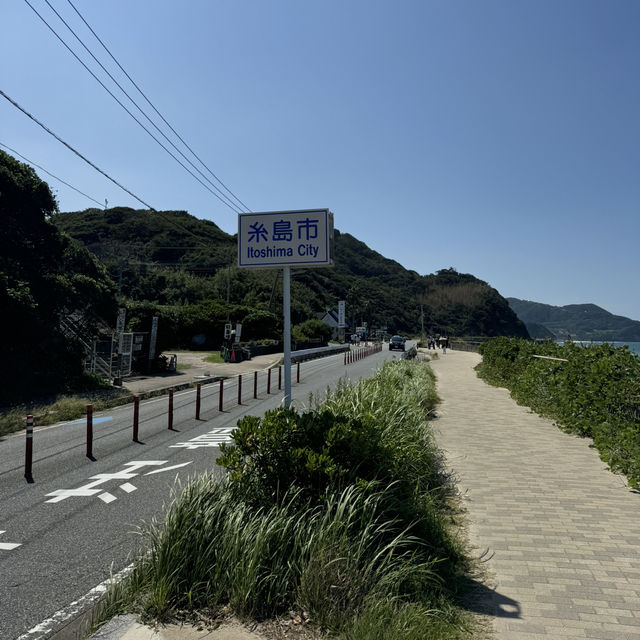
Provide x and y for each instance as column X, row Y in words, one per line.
column 633, row 346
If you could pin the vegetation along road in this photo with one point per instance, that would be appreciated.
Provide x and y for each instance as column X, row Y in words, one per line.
column 67, row 531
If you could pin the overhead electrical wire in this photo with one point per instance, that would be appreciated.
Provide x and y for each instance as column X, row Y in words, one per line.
column 31, row 162
column 66, row 144
column 156, row 110
column 126, row 109
column 86, row 48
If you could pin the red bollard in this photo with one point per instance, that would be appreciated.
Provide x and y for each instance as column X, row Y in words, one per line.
column 279, row 377
column 255, row 384
column 198, row 392
column 170, row 414
column 220, row 396
column 268, row 380
column 298, row 372
column 240, row 389
column 28, row 458
column 136, row 417
column 89, row 431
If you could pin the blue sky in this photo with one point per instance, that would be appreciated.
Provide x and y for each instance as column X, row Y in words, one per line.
column 500, row 137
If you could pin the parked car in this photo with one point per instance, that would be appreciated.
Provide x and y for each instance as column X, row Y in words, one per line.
column 396, row 342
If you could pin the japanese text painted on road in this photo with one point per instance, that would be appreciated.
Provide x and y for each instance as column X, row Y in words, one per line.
column 285, row 238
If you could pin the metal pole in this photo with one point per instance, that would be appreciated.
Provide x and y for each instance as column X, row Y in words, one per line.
column 28, row 459
column 240, row 389
column 268, row 380
column 298, row 373
column 198, row 391
column 170, row 414
column 279, row 377
column 286, row 310
column 136, row 417
column 255, row 384
column 89, row 431
column 220, row 396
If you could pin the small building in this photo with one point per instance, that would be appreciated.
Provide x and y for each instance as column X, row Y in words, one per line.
column 331, row 318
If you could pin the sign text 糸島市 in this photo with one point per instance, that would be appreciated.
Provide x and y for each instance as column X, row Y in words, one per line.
column 285, row 238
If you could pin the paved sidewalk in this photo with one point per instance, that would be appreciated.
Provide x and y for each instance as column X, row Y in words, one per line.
column 563, row 533
column 198, row 371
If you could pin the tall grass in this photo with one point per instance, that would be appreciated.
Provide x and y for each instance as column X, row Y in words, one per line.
column 371, row 560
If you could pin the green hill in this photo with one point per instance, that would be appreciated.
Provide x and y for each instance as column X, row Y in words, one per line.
column 174, row 259
column 580, row 321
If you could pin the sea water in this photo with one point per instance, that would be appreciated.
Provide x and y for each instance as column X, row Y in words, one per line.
column 633, row 346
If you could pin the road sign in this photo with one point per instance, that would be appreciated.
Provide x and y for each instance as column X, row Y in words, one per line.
column 285, row 239
column 341, row 317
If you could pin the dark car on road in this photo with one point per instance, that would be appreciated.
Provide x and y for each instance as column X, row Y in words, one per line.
column 396, row 342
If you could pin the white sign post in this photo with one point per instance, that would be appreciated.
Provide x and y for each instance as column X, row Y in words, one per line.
column 285, row 239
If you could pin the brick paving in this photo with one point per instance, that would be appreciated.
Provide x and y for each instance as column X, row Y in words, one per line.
column 562, row 532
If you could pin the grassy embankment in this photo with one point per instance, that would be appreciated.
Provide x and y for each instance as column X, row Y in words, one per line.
column 342, row 514
column 595, row 393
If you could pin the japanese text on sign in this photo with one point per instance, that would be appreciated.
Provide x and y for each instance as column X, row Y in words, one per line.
column 285, row 238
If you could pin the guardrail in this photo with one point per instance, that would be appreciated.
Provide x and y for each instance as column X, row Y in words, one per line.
column 319, row 352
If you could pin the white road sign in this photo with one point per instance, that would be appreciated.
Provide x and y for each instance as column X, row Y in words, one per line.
column 285, row 239
column 341, row 318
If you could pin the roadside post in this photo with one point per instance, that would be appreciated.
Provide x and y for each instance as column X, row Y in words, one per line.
column 268, row 381
column 285, row 239
column 170, row 412
column 240, row 389
column 136, row 417
column 255, row 385
column 198, row 392
column 89, row 431
column 28, row 458
column 220, row 397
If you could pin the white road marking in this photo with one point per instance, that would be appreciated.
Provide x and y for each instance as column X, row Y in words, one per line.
column 43, row 630
column 128, row 487
column 107, row 497
column 175, row 466
column 9, row 546
column 211, row 439
column 131, row 469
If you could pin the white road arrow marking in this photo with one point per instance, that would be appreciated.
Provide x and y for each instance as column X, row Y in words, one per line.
column 210, row 439
column 131, row 469
column 175, row 466
column 8, row 546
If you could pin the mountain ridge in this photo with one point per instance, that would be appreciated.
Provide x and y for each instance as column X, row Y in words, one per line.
column 578, row 321
column 160, row 257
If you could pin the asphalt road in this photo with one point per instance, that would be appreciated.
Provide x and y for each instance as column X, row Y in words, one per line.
column 74, row 525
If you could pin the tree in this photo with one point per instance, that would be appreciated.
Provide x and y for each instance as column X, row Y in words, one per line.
column 312, row 330
column 45, row 276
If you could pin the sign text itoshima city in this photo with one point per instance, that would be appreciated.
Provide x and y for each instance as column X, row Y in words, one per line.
column 285, row 238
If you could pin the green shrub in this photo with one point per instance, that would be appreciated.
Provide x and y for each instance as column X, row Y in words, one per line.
column 594, row 392
column 307, row 452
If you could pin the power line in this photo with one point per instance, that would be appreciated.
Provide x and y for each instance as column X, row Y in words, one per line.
column 51, row 174
column 86, row 48
column 125, row 108
column 156, row 110
column 106, row 175
column 66, row 144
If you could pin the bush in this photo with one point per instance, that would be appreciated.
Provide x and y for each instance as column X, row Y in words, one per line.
column 311, row 330
column 307, row 452
column 595, row 393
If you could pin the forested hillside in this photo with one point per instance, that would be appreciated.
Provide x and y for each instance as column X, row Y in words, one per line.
column 579, row 321
column 46, row 280
column 174, row 260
